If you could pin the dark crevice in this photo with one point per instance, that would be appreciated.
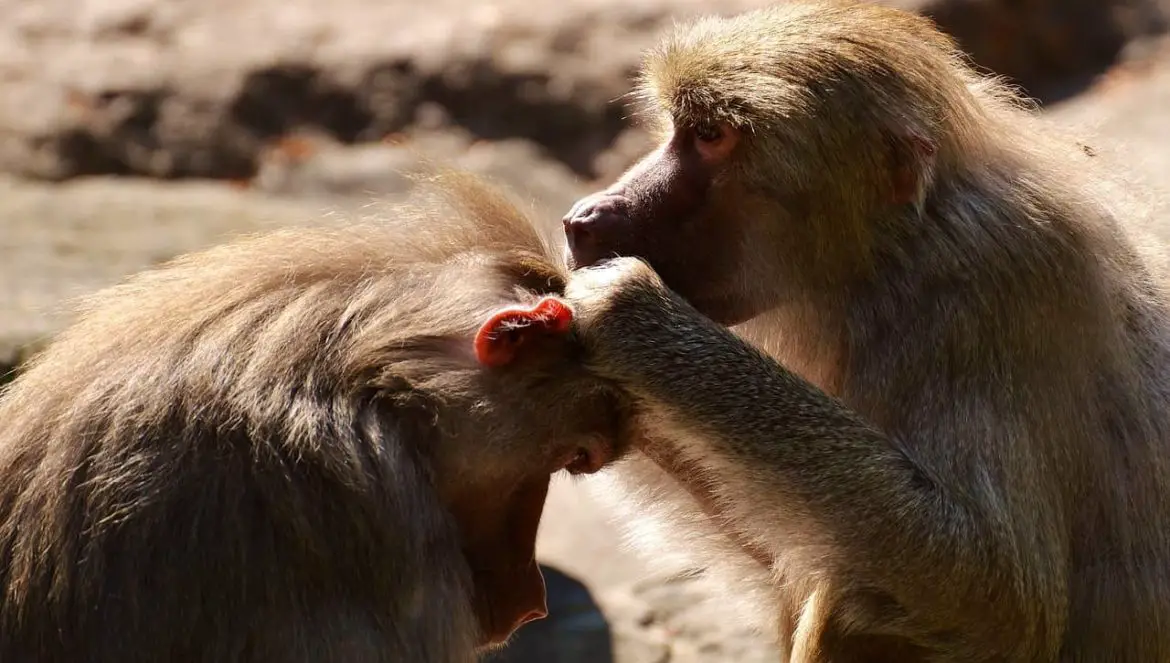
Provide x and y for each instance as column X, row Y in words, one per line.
column 7, row 373
column 275, row 101
column 159, row 133
column 1052, row 49
column 495, row 107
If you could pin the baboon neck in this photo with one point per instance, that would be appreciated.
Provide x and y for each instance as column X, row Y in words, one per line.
column 806, row 334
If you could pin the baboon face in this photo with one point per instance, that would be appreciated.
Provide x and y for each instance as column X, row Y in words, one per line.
column 676, row 209
column 536, row 412
column 784, row 134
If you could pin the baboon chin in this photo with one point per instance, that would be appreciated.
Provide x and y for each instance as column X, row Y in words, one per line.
column 961, row 453
column 327, row 444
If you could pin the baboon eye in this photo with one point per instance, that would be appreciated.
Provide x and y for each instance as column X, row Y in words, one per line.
column 715, row 141
column 580, row 463
column 709, row 133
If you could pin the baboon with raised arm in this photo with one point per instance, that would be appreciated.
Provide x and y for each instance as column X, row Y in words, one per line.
column 959, row 447
column 325, row 444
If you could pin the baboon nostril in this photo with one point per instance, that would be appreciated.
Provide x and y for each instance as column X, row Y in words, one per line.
column 578, row 232
column 596, row 227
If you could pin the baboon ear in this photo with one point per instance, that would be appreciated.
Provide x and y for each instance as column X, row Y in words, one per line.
column 912, row 166
column 500, row 339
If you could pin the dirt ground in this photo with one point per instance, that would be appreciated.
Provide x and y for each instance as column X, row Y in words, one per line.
column 133, row 130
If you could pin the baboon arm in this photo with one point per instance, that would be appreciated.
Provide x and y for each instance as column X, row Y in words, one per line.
column 775, row 453
column 788, row 469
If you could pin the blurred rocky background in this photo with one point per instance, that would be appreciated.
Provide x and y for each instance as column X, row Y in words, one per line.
column 132, row 130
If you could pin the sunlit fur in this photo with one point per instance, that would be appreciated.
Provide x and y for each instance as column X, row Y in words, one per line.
column 819, row 85
column 220, row 459
column 1009, row 332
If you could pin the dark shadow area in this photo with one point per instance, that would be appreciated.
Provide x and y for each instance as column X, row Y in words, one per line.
column 495, row 105
column 165, row 134
column 575, row 631
column 1054, row 92
column 7, row 373
column 1051, row 49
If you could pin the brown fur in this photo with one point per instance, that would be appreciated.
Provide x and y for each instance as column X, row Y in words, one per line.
column 989, row 475
column 283, row 449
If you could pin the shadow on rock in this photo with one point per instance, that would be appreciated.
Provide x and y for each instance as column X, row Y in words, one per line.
column 7, row 373
column 575, row 631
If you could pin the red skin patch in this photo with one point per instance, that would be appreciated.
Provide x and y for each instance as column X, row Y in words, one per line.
column 498, row 340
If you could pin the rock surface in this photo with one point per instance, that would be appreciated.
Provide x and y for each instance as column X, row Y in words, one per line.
column 169, row 88
column 306, row 115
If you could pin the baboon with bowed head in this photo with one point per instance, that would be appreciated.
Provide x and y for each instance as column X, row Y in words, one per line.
column 964, row 451
column 326, row 444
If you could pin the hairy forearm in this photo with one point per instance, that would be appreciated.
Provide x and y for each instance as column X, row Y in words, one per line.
column 802, row 483
column 759, row 429
column 744, row 403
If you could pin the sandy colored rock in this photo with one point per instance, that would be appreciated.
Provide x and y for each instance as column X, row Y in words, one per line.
column 167, row 88
column 170, row 88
